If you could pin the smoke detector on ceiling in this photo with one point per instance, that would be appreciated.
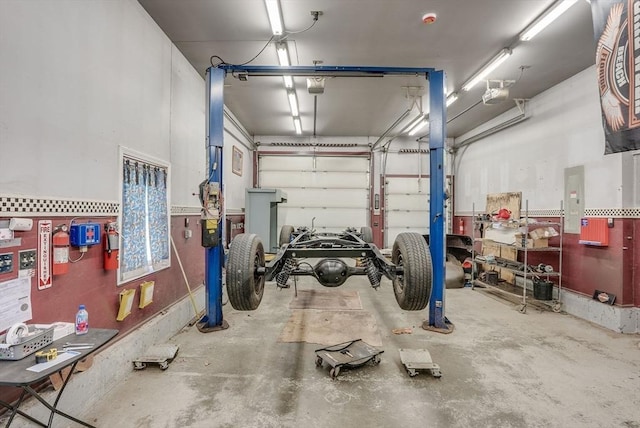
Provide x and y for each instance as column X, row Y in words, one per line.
column 497, row 91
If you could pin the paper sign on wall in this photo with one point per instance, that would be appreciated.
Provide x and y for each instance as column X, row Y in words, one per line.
column 15, row 302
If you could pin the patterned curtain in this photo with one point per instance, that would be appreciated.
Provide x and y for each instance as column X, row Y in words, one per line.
column 145, row 221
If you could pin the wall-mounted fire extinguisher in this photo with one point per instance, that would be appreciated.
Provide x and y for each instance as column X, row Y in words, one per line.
column 111, row 246
column 461, row 226
column 60, row 241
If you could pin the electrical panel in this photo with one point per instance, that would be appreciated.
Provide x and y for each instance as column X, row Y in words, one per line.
column 26, row 259
column 84, row 234
column 211, row 206
column 6, row 262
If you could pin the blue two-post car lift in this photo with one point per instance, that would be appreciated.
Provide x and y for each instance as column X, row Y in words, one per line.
column 214, row 258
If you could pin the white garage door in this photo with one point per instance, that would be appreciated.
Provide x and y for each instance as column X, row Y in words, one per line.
column 407, row 207
column 333, row 190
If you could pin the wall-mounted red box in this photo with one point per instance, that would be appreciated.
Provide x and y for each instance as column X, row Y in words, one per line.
column 594, row 231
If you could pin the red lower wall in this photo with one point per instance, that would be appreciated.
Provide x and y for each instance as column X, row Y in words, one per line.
column 587, row 268
column 88, row 283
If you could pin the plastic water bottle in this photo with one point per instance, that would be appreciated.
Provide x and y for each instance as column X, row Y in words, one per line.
column 82, row 320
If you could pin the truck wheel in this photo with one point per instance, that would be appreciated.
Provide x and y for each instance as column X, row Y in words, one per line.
column 245, row 286
column 285, row 235
column 413, row 287
column 366, row 234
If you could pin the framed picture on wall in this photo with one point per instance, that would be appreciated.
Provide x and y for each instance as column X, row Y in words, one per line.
column 236, row 161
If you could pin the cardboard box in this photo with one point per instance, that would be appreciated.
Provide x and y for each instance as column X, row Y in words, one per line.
column 543, row 232
column 530, row 242
column 499, row 233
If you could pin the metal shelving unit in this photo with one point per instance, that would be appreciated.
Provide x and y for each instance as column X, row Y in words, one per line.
column 523, row 269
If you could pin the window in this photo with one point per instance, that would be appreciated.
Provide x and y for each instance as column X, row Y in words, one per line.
column 144, row 230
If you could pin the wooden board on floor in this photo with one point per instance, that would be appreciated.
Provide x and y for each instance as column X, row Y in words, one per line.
column 330, row 327
column 326, row 299
column 510, row 200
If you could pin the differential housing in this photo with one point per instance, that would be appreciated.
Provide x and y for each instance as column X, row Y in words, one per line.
column 331, row 272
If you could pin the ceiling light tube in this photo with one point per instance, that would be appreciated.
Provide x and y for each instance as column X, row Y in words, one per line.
column 298, row 125
column 288, row 82
column 415, row 122
column 452, row 98
column 546, row 18
column 418, row 126
column 293, row 103
column 283, row 54
column 275, row 18
column 487, row 68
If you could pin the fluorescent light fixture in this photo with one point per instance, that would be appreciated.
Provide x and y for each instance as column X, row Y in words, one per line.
column 298, row 125
column 288, row 82
column 418, row 126
column 546, row 18
column 275, row 18
column 293, row 103
column 487, row 68
column 452, row 98
column 414, row 122
column 283, row 54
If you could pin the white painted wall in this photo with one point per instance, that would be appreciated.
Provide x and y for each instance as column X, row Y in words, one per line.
column 80, row 79
column 188, row 155
column 235, row 185
column 564, row 130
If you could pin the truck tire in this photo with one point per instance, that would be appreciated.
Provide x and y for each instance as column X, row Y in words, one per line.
column 366, row 234
column 413, row 287
column 245, row 286
column 285, row 235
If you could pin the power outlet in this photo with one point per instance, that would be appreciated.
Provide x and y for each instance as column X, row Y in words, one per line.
column 27, row 259
column 6, row 262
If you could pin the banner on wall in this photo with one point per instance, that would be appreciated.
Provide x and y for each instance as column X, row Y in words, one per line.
column 616, row 26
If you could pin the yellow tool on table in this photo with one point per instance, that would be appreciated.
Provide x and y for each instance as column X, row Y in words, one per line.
column 46, row 356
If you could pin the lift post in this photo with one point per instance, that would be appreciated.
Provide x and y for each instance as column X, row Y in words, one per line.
column 437, row 242
column 214, row 253
column 215, row 256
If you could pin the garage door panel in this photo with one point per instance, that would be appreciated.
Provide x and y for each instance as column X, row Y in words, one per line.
column 406, row 185
column 410, row 219
column 329, row 218
column 285, row 163
column 334, row 190
column 343, row 163
column 334, row 198
column 408, row 202
column 407, row 206
column 310, row 163
column 281, row 179
column 393, row 232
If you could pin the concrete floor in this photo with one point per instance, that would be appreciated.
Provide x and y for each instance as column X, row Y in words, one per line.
column 500, row 368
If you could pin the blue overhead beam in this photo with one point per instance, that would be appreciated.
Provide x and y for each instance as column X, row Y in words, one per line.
column 437, row 135
column 301, row 70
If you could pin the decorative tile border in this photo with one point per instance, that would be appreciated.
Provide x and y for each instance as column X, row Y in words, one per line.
column 25, row 206
column 58, row 207
column 613, row 212
column 176, row 210
column 62, row 207
column 588, row 212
